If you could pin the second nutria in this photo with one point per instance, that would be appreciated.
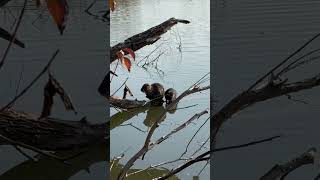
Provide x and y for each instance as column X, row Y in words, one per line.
column 154, row 92
column 170, row 95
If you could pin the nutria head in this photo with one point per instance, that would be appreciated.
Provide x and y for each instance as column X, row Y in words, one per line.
column 146, row 88
column 170, row 95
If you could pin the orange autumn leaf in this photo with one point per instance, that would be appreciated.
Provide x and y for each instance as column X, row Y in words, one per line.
column 131, row 52
column 126, row 62
column 112, row 4
column 59, row 11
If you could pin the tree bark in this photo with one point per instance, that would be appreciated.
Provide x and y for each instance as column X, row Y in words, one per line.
column 50, row 133
column 147, row 37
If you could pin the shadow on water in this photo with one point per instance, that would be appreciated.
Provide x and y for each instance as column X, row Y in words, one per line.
column 46, row 168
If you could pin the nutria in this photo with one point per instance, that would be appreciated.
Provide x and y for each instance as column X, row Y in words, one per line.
column 170, row 95
column 154, row 92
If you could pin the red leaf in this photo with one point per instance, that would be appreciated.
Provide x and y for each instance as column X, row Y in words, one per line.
column 127, row 63
column 119, row 55
column 131, row 52
column 59, row 11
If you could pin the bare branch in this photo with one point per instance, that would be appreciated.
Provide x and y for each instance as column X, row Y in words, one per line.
column 14, row 34
column 282, row 170
column 32, row 82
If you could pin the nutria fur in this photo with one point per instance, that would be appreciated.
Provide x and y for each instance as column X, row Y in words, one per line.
column 170, row 95
column 154, row 92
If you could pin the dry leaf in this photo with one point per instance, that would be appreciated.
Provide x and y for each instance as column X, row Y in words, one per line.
column 112, row 5
column 119, row 55
column 126, row 62
column 131, row 52
column 59, row 11
column 51, row 89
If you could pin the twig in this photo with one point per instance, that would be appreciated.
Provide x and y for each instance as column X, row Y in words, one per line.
column 194, row 135
column 14, row 34
column 16, row 143
column 282, row 62
column 120, row 87
column 23, row 153
column 32, row 82
column 203, row 157
column 130, row 124
column 208, row 161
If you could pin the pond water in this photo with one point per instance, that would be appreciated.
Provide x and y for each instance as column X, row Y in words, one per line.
column 182, row 57
column 250, row 37
column 79, row 67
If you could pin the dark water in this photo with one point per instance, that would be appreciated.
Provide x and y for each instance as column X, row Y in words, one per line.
column 176, row 70
column 79, row 67
column 250, row 37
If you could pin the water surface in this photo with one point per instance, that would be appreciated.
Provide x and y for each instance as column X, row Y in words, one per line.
column 250, row 37
column 175, row 68
column 79, row 67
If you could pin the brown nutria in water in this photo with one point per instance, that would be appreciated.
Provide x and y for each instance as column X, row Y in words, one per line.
column 170, row 95
column 154, row 92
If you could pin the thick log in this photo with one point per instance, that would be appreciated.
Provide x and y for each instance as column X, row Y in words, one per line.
column 145, row 38
column 50, row 133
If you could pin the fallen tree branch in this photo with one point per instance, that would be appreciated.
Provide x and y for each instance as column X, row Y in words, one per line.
column 50, row 133
column 130, row 104
column 147, row 37
column 280, row 171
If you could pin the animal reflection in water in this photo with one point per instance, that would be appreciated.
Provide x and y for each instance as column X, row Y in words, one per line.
column 155, row 92
column 47, row 168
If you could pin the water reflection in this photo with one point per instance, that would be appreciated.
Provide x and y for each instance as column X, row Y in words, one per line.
column 46, row 168
column 180, row 58
column 153, row 113
column 146, row 174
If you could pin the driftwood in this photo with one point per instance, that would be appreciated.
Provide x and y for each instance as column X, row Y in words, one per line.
column 50, row 133
column 147, row 37
column 280, row 171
